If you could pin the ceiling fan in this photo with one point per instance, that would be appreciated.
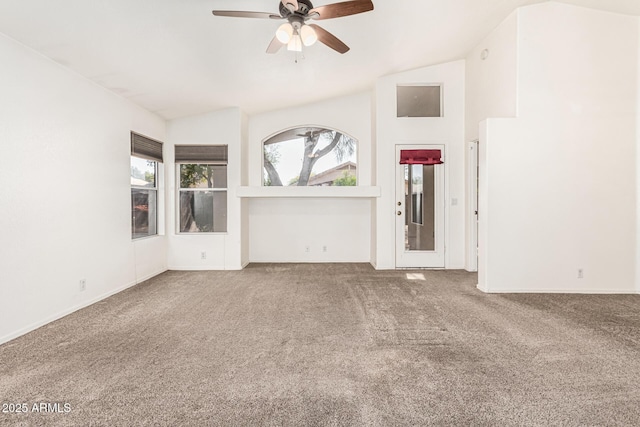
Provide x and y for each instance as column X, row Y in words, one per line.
column 296, row 32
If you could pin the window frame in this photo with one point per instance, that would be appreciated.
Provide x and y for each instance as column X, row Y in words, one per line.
column 156, row 208
column 416, row 85
column 145, row 148
column 199, row 157
column 303, row 127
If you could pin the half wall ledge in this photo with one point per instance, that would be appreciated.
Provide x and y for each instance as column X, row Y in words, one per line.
column 309, row 192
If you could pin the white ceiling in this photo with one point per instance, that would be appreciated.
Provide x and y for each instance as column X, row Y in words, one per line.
column 175, row 58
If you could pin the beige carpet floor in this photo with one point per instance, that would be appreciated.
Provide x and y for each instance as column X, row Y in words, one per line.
column 336, row 344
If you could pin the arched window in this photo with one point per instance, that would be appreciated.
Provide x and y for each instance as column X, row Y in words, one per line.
column 310, row 156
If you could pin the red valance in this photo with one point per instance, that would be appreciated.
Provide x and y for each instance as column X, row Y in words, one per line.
column 420, row 157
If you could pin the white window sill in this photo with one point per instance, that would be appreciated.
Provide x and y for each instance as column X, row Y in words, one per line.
column 141, row 238
column 308, row 192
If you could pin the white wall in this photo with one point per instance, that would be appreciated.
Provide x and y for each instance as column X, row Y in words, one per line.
column 223, row 250
column 244, row 180
column 280, row 229
column 561, row 178
column 483, row 206
column 373, row 251
column 447, row 130
column 638, row 167
column 491, row 86
column 491, row 91
column 65, row 194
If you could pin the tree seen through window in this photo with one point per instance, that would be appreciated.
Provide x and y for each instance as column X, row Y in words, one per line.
column 310, row 156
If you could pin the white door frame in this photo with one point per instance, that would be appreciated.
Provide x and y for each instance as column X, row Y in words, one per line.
column 420, row 259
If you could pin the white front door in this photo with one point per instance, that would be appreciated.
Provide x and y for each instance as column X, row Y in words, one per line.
column 419, row 212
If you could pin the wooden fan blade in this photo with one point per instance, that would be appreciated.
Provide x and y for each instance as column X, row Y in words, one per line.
column 329, row 39
column 274, row 46
column 243, row 14
column 336, row 10
column 292, row 5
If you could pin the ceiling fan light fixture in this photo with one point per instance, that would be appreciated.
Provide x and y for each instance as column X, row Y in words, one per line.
column 295, row 33
column 284, row 33
column 295, row 44
column 308, row 35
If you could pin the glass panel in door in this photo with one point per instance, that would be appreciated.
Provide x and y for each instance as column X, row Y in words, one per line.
column 419, row 202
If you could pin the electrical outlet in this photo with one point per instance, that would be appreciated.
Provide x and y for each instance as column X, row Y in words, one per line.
column 580, row 273
column 307, row 249
column 83, row 285
column 324, row 249
column 203, row 255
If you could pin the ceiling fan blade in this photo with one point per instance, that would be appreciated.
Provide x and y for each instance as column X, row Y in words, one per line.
column 292, row 5
column 243, row 14
column 336, row 10
column 274, row 46
column 329, row 39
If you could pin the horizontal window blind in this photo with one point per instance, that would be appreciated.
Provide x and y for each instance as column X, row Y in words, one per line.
column 217, row 154
column 147, row 148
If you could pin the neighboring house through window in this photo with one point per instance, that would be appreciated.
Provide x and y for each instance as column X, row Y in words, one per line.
column 202, row 188
column 146, row 153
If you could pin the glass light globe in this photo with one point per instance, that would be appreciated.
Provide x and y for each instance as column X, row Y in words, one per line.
column 295, row 44
column 308, row 35
column 284, row 33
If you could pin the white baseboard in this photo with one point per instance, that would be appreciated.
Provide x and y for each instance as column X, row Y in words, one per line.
column 560, row 291
column 197, row 268
column 482, row 288
column 150, row 276
column 73, row 309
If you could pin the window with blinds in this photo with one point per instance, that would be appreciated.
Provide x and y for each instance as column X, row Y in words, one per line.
column 202, row 188
column 146, row 148
column 146, row 154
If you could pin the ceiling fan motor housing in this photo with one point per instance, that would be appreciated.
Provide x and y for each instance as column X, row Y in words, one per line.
column 304, row 6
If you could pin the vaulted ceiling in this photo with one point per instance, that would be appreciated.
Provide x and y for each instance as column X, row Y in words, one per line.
column 173, row 57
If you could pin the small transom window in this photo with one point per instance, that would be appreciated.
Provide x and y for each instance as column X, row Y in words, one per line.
column 419, row 101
